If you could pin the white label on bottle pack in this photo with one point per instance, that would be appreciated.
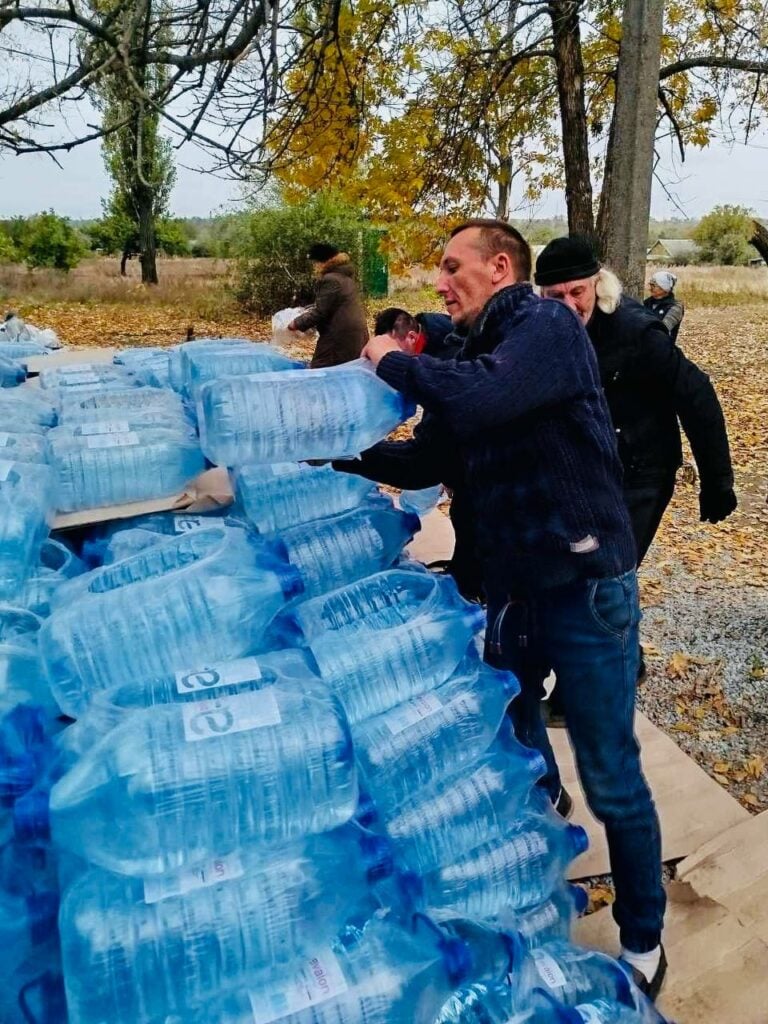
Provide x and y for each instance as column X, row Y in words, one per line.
column 212, row 872
column 237, row 712
column 286, row 468
column 105, row 427
column 4, row 439
column 549, row 969
column 226, row 673
column 317, row 980
column 113, row 440
column 5, row 468
column 414, row 711
column 73, row 371
column 185, row 524
column 82, row 378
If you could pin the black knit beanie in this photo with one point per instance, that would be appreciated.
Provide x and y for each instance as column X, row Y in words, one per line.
column 322, row 251
column 566, row 259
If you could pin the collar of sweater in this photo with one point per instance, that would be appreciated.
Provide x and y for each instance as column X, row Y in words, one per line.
column 498, row 309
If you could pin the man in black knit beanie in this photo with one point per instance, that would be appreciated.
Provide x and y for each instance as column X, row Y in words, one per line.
column 523, row 409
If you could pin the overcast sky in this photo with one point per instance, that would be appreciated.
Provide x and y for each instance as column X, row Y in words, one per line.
column 30, row 183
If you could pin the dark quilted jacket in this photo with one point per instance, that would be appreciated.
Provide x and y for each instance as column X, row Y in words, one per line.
column 338, row 315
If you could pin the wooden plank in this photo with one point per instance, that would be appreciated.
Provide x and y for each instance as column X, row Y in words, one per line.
column 692, row 807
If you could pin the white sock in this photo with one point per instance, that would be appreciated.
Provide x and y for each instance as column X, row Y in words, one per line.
column 646, row 963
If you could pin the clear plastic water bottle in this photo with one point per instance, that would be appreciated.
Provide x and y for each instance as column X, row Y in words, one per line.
column 151, row 365
column 465, row 809
column 22, row 447
column 12, row 373
column 190, row 781
column 205, row 595
column 26, row 507
column 438, row 733
column 212, row 362
column 421, row 501
column 404, row 660
column 566, row 974
column 77, row 433
column 608, row 1011
column 110, row 469
column 21, row 349
column 177, row 356
column 57, row 565
column 86, row 375
column 111, row 707
column 224, row 920
column 518, row 870
column 389, row 598
column 386, row 976
column 298, row 414
column 144, row 404
column 287, row 493
column 552, row 919
column 27, row 410
column 334, row 551
column 122, row 538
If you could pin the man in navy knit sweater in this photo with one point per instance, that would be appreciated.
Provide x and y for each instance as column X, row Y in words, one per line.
column 523, row 410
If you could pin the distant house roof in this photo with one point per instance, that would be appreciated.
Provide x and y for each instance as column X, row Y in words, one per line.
column 673, row 249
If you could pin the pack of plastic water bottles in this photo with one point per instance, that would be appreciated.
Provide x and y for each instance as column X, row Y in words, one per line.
column 253, row 768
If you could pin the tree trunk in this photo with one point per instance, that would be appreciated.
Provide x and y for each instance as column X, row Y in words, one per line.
column 569, row 65
column 505, row 188
column 123, row 261
column 146, row 219
column 628, row 193
column 603, row 208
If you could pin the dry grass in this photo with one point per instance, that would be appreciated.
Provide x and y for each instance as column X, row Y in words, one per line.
column 200, row 285
column 719, row 286
column 93, row 305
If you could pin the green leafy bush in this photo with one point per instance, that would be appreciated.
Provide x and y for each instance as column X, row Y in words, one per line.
column 273, row 270
column 47, row 240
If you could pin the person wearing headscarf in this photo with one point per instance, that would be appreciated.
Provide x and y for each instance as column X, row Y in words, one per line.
column 662, row 302
column 337, row 313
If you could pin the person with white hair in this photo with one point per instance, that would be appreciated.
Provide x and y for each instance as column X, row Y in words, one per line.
column 651, row 387
column 662, row 302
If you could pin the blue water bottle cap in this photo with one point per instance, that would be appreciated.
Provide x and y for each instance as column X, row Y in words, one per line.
column 411, row 888
column 31, row 817
column 378, row 856
column 579, row 839
column 537, row 766
column 291, row 581
column 28, row 721
column 366, row 813
column 579, row 897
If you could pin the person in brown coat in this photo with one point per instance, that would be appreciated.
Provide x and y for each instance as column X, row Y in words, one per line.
column 338, row 312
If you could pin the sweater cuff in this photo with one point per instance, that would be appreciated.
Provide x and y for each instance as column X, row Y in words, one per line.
column 396, row 369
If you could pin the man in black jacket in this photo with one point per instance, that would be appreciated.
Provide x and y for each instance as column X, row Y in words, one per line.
column 522, row 410
column 651, row 388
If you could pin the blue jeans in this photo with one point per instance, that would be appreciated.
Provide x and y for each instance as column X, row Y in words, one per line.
column 588, row 633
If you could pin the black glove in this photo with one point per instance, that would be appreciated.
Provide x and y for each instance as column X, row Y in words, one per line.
column 716, row 505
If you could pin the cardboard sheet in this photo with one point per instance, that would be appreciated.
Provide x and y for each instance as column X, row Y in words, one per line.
column 67, row 357
column 715, row 931
column 692, row 807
